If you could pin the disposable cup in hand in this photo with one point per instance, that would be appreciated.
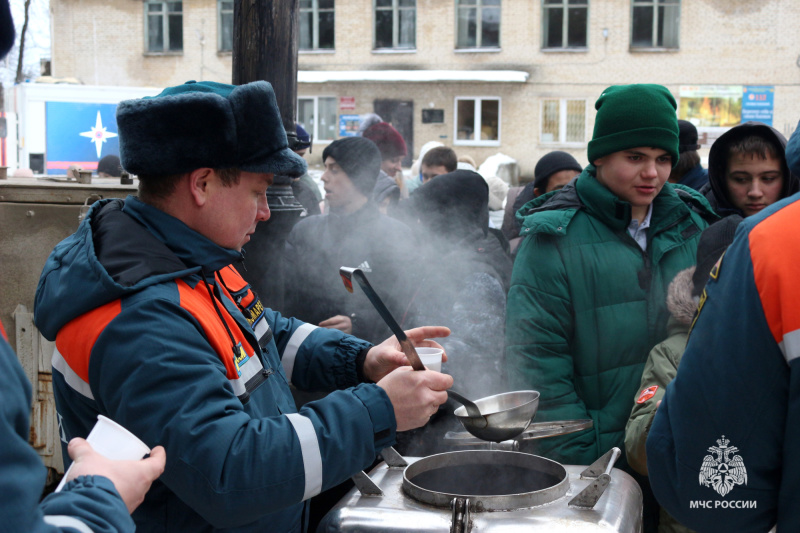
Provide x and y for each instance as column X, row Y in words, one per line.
column 113, row 441
column 431, row 358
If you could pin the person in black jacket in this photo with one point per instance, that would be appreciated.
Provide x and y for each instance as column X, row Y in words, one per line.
column 464, row 276
column 353, row 234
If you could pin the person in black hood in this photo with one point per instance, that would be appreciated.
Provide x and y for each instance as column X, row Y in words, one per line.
column 466, row 274
column 747, row 170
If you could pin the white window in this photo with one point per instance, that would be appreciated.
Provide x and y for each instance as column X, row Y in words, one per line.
column 318, row 116
column 225, row 25
column 478, row 23
column 163, row 26
column 316, row 24
column 655, row 23
column 563, row 121
column 477, row 121
column 565, row 23
column 395, row 24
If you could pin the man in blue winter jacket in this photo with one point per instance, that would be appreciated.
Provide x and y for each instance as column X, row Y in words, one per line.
column 722, row 449
column 155, row 329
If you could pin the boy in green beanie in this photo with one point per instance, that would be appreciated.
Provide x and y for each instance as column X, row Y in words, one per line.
column 587, row 296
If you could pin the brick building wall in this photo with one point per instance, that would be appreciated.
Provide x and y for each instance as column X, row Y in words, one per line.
column 721, row 42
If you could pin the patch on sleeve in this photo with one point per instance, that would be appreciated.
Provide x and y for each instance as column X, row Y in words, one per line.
column 647, row 393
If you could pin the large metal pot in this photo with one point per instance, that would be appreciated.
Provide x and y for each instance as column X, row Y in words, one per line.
column 442, row 493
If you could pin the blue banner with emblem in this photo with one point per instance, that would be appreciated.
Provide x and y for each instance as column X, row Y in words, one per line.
column 79, row 134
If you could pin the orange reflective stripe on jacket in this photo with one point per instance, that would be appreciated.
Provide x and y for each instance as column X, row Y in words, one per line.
column 75, row 341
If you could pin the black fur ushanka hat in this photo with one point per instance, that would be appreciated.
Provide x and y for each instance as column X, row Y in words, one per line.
column 205, row 124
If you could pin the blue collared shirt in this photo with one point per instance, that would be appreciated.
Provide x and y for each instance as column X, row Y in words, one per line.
column 639, row 231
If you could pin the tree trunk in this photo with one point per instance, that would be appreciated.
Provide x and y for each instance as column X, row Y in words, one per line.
column 20, row 76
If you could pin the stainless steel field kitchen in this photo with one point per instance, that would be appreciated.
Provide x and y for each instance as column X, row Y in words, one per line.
column 488, row 490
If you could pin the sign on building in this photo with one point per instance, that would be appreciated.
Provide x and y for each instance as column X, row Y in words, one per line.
column 348, row 125
column 714, row 109
column 758, row 103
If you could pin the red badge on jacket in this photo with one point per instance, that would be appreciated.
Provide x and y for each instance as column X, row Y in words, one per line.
column 647, row 393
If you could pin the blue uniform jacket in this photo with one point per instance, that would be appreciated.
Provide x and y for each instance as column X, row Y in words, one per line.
column 86, row 503
column 237, row 460
column 722, row 450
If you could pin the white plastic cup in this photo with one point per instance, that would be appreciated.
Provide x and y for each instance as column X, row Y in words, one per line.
column 431, row 358
column 112, row 441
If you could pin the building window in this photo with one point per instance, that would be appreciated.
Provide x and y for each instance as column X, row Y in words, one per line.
column 164, row 26
column 316, row 24
column 318, row 116
column 477, row 121
column 565, row 23
column 478, row 23
column 225, row 20
column 563, row 121
column 395, row 24
column 655, row 23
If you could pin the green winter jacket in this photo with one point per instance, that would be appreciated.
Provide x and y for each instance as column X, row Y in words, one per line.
column 586, row 305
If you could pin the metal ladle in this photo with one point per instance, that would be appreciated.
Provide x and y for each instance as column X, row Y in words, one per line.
column 476, row 419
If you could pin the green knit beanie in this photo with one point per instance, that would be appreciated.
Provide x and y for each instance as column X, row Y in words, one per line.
column 629, row 116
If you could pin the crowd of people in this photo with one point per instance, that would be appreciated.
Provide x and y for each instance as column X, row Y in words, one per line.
column 637, row 290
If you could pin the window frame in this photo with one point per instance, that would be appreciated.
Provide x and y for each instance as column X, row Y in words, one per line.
column 562, row 123
column 654, row 30
column 479, row 29
column 477, row 121
column 565, row 7
column 315, row 130
column 165, row 14
column 219, row 27
column 395, row 9
column 315, row 11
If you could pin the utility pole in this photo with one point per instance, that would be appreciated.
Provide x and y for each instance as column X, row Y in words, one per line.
column 265, row 48
column 265, row 37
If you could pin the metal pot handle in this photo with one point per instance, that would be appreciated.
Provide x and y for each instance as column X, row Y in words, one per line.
column 364, row 483
column 600, row 471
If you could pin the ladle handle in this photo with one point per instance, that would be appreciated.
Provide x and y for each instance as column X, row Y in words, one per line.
column 408, row 349
column 469, row 405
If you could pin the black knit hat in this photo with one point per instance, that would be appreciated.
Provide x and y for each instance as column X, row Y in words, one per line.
column 714, row 240
column 110, row 165
column 359, row 158
column 551, row 163
column 687, row 137
column 453, row 203
column 205, row 124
